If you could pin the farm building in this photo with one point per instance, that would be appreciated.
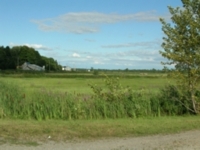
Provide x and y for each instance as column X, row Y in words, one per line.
column 28, row 66
column 66, row 68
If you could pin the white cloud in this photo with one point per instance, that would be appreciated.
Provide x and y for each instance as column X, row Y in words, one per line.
column 35, row 46
column 148, row 44
column 38, row 46
column 76, row 55
column 89, row 40
column 143, row 55
column 88, row 57
column 89, row 22
column 135, row 59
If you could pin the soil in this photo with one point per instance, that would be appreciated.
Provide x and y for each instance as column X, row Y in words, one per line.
column 189, row 140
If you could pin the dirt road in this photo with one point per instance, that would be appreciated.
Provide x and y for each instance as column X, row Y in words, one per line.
column 189, row 140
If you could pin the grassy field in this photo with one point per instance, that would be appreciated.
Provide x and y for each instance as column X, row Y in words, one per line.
column 70, row 98
column 34, row 131
column 80, row 85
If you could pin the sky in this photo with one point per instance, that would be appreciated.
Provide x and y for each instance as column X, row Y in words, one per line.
column 99, row 34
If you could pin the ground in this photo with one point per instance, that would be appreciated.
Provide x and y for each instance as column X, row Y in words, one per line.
column 189, row 140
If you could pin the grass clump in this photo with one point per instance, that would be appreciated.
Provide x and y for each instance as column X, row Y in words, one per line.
column 12, row 101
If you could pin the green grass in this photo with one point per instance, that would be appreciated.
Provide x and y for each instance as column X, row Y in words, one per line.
column 59, row 98
column 80, row 85
column 31, row 130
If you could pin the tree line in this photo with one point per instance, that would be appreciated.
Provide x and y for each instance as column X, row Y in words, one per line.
column 12, row 58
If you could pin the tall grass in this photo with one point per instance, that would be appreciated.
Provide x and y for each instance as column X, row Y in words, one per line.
column 111, row 101
column 12, row 100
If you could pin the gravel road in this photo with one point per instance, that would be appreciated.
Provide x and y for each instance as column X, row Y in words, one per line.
column 189, row 140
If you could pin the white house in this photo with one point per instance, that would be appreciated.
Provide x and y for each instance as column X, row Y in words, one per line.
column 66, row 68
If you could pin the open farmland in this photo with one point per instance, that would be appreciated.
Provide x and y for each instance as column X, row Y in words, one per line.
column 43, row 96
column 89, row 123
column 79, row 82
column 85, row 96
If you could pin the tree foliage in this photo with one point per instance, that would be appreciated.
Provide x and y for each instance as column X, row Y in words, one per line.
column 181, row 46
column 12, row 58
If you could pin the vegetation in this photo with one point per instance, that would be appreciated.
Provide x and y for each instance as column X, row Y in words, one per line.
column 108, row 100
column 13, row 58
column 145, row 100
column 54, row 105
column 88, row 114
column 38, row 131
column 181, row 47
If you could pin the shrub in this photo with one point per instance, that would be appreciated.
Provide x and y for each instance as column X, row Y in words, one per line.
column 122, row 101
column 172, row 101
column 95, row 72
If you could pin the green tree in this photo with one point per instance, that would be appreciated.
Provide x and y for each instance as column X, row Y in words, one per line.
column 11, row 58
column 181, row 46
column 51, row 64
column 23, row 54
column 6, row 58
column 2, row 58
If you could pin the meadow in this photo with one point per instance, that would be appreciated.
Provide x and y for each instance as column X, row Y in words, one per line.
column 80, row 85
column 59, row 96
column 85, row 106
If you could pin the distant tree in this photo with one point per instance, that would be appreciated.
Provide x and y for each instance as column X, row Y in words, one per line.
column 6, row 58
column 10, row 58
column 96, row 72
column 2, row 58
column 23, row 54
column 16, row 55
column 51, row 64
column 153, row 70
column 126, row 69
column 182, row 49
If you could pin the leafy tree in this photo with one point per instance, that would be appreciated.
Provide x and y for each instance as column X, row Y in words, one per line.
column 9, row 61
column 181, row 46
column 51, row 64
column 16, row 55
column 11, row 58
column 23, row 54
column 2, row 58
column 6, row 58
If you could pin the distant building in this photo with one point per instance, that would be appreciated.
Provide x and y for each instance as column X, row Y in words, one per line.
column 28, row 66
column 66, row 68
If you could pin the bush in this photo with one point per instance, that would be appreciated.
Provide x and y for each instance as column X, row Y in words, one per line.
column 95, row 72
column 172, row 101
column 122, row 101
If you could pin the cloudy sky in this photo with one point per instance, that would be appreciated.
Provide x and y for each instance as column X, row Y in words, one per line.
column 109, row 34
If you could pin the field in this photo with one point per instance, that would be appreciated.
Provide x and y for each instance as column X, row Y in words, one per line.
column 79, row 82
column 40, row 109
column 81, row 95
column 16, row 130
column 80, row 85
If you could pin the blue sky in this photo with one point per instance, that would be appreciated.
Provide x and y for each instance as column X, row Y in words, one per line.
column 109, row 34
